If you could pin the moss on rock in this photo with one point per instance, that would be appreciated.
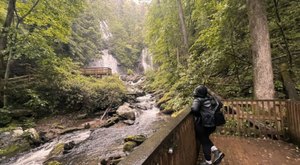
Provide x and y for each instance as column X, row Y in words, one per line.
column 54, row 163
column 57, row 150
column 14, row 149
column 129, row 146
column 136, row 138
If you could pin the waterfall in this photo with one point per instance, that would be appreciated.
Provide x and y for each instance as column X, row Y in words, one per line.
column 107, row 60
column 147, row 61
column 106, row 34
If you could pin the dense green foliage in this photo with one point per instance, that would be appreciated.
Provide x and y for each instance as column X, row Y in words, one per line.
column 219, row 47
column 51, row 40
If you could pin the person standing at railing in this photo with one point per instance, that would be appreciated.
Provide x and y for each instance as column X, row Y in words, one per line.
column 202, row 109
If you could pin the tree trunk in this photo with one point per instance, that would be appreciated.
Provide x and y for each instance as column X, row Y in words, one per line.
column 3, row 37
column 261, row 50
column 6, row 76
column 183, row 26
column 288, row 83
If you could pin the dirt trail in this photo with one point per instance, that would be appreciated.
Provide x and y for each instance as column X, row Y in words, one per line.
column 249, row 151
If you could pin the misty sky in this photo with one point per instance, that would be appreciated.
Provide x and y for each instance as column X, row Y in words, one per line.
column 147, row 1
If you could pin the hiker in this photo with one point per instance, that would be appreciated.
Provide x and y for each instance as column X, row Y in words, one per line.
column 202, row 109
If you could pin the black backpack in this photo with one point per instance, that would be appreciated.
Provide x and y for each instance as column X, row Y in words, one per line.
column 218, row 114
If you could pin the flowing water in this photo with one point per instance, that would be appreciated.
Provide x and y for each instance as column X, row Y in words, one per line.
column 102, row 143
column 107, row 60
column 106, row 34
column 147, row 61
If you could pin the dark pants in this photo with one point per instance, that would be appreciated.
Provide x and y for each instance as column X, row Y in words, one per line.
column 202, row 134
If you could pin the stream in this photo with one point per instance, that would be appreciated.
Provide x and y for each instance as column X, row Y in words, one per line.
column 101, row 143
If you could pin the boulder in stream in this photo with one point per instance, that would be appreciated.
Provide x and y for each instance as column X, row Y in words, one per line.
column 129, row 122
column 139, row 139
column 133, row 141
column 32, row 135
column 129, row 146
column 111, row 121
column 126, row 112
column 57, row 150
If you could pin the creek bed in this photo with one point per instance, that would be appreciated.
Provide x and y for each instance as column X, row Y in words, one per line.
column 101, row 143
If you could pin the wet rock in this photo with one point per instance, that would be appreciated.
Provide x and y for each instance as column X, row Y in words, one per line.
column 111, row 160
column 68, row 146
column 142, row 107
column 32, row 135
column 13, row 142
column 111, row 121
column 167, row 111
column 47, row 136
column 139, row 139
column 128, row 122
column 17, row 132
column 43, row 137
column 71, row 129
column 59, row 127
column 87, row 126
column 5, row 139
column 53, row 163
column 13, row 149
column 57, row 150
column 129, row 146
column 10, row 138
column 126, row 112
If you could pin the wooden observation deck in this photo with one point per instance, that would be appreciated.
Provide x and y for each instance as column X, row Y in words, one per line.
column 97, row 72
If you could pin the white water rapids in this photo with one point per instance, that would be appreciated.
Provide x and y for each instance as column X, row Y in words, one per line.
column 99, row 144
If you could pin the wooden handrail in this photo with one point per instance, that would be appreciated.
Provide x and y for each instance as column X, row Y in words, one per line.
column 173, row 144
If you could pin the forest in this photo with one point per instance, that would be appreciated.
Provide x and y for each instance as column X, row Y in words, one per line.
column 239, row 49
column 215, row 43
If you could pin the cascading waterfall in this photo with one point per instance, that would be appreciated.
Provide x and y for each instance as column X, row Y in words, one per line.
column 106, row 60
column 106, row 34
column 146, row 60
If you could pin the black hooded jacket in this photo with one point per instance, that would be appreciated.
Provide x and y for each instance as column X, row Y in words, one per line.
column 203, row 107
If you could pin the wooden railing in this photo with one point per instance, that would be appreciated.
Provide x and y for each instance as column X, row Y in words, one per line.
column 293, row 120
column 96, row 71
column 21, row 79
column 255, row 118
column 174, row 144
column 17, row 81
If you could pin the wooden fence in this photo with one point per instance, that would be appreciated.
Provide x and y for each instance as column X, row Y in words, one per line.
column 17, row 82
column 293, row 120
column 255, row 118
column 276, row 119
